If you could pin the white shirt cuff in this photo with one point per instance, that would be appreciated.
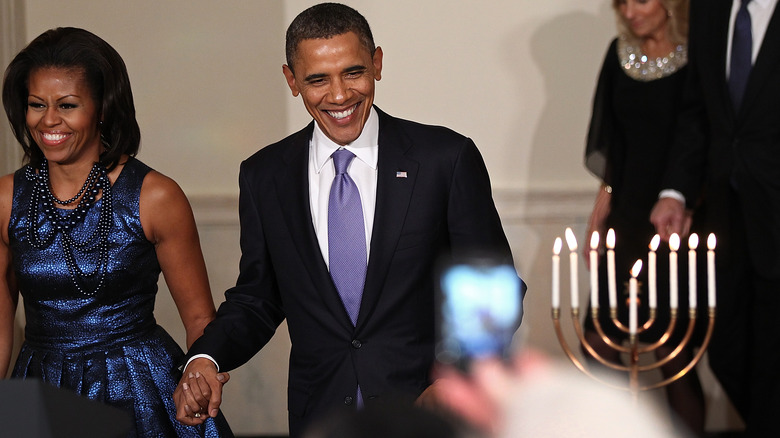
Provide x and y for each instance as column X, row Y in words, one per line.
column 198, row 356
column 670, row 193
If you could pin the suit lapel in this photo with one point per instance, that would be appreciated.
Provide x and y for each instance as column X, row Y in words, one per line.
column 292, row 187
column 396, row 176
column 766, row 61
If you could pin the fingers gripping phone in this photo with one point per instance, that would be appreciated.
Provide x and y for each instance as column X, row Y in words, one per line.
column 479, row 302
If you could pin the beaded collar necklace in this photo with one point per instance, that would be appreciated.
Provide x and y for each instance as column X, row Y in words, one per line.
column 640, row 67
column 41, row 232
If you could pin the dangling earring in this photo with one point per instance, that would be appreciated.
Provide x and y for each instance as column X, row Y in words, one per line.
column 103, row 140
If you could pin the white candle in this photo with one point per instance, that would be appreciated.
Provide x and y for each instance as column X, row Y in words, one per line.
column 611, row 282
column 556, row 274
column 693, row 243
column 632, row 297
column 652, row 293
column 571, row 241
column 711, row 270
column 594, row 270
column 674, row 245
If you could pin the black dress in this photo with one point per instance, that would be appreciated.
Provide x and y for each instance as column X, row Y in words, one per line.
column 629, row 140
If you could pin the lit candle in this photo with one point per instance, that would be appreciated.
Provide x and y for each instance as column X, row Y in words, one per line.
column 632, row 297
column 556, row 273
column 711, row 270
column 575, row 292
column 674, row 245
column 594, row 270
column 611, row 269
column 693, row 243
column 651, row 273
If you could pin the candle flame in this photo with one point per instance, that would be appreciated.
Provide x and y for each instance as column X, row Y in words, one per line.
column 611, row 238
column 637, row 267
column 571, row 240
column 674, row 242
column 655, row 242
column 557, row 246
column 594, row 240
column 711, row 242
column 693, row 241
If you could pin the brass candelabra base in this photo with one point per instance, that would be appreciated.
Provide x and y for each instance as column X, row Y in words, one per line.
column 634, row 350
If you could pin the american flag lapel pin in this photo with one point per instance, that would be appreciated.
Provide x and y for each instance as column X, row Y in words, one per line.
column 400, row 174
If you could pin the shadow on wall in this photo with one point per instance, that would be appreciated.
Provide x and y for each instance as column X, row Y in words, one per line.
column 567, row 50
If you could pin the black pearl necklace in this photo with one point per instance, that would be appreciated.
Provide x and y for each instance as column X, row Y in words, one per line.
column 96, row 242
column 89, row 182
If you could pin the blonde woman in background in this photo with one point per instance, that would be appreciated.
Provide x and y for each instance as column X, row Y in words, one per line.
column 634, row 115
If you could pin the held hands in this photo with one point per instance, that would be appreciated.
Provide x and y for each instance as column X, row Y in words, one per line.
column 670, row 216
column 199, row 393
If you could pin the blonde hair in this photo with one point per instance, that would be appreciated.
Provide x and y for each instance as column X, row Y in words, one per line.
column 677, row 28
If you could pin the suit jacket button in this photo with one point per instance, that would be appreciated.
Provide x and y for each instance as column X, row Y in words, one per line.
column 356, row 343
column 348, row 400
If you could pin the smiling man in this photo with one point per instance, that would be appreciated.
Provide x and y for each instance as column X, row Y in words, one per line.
column 341, row 226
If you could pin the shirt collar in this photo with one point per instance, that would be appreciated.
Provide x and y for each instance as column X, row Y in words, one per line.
column 765, row 3
column 365, row 147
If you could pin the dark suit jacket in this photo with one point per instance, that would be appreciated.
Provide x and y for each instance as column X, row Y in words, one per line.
column 442, row 205
column 722, row 148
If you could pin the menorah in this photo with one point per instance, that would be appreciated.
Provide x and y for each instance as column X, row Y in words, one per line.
column 633, row 349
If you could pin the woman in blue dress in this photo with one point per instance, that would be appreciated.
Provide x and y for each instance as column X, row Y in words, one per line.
column 85, row 230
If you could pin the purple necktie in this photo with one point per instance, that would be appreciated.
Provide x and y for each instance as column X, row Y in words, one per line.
column 741, row 55
column 346, row 236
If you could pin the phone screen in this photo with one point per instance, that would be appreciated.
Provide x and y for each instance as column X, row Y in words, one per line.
column 480, row 308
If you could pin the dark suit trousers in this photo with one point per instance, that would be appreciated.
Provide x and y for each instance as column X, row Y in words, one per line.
column 745, row 348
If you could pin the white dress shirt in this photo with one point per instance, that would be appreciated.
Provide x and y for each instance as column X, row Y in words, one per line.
column 362, row 170
column 760, row 13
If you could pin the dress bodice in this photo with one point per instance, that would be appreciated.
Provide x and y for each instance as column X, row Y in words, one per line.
column 59, row 314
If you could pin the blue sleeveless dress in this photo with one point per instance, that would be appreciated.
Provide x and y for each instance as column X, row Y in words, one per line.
column 106, row 346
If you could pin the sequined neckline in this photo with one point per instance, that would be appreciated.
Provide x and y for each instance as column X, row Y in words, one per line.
column 641, row 68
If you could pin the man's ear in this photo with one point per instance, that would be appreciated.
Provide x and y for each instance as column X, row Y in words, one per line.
column 290, row 77
column 377, row 60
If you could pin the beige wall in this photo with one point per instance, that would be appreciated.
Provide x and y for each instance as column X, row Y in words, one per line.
column 206, row 78
column 516, row 76
column 12, row 38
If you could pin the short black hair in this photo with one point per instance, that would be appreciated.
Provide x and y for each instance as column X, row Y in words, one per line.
column 106, row 75
column 323, row 21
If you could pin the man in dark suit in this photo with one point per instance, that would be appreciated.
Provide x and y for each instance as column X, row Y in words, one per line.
column 424, row 192
column 727, row 155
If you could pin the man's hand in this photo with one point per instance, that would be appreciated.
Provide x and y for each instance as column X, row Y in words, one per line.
column 199, row 393
column 670, row 216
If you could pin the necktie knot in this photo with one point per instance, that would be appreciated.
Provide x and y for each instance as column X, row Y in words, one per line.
column 341, row 160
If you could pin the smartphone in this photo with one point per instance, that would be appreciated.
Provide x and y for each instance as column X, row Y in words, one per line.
column 480, row 306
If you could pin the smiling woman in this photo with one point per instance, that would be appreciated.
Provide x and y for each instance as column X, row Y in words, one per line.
column 85, row 230
column 62, row 117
